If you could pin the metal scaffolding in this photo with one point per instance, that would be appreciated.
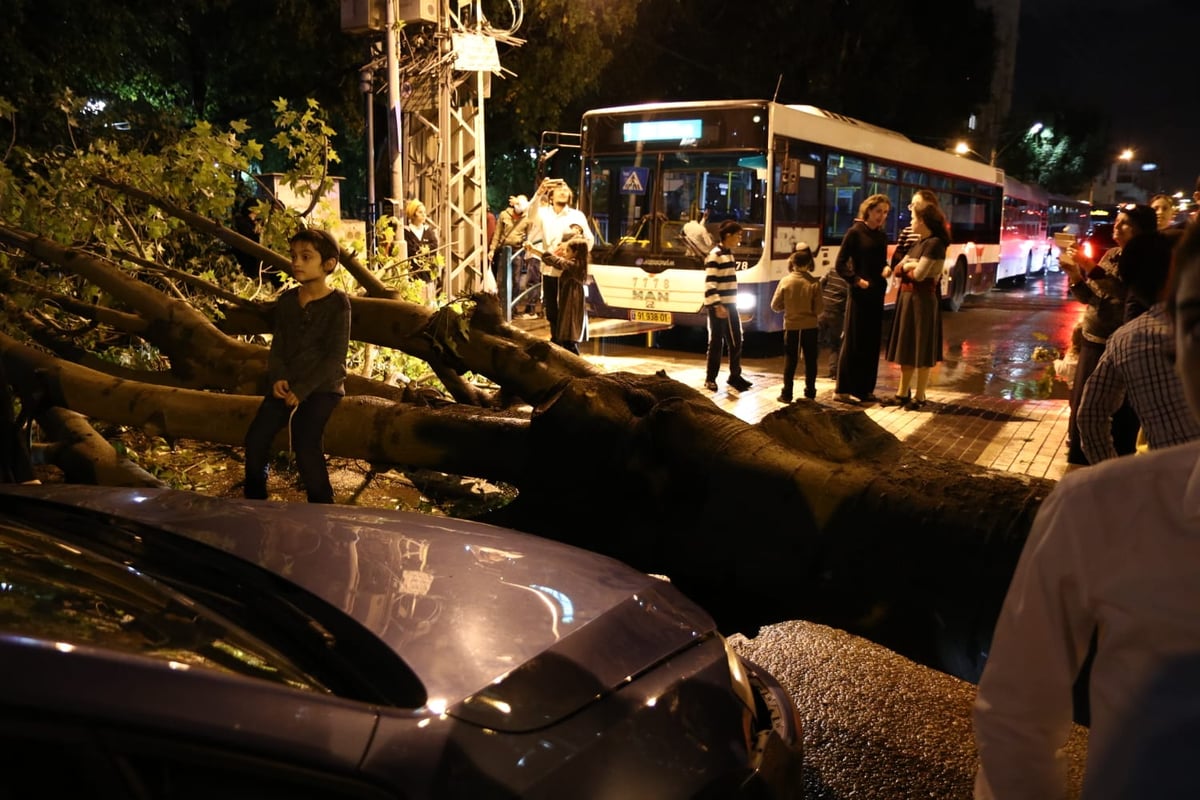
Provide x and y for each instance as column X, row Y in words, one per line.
column 435, row 99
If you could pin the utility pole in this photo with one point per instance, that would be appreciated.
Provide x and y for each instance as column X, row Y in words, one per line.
column 366, row 82
column 395, row 129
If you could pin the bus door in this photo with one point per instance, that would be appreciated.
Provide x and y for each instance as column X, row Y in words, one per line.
column 796, row 203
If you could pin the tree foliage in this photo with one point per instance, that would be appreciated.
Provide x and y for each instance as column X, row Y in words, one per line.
column 1066, row 152
column 158, row 66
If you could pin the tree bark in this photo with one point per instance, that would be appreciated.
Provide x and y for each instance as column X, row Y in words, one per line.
column 85, row 456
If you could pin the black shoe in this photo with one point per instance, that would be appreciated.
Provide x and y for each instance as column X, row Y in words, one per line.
column 869, row 399
column 784, row 397
column 710, row 385
column 846, row 398
column 916, row 405
column 810, row 394
column 901, row 400
column 739, row 383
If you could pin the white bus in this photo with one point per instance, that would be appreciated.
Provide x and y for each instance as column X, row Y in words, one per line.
column 786, row 173
column 1024, row 248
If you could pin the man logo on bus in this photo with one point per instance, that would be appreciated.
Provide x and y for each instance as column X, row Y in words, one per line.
column 650, row 297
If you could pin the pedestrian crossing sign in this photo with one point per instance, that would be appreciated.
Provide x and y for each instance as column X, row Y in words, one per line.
column 634, row 179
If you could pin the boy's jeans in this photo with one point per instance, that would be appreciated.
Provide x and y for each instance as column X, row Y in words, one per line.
column 307, row 434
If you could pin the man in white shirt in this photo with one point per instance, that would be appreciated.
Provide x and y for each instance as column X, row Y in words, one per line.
column 550, row 215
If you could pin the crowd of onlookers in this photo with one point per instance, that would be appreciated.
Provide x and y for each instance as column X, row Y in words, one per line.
column 1106, row 594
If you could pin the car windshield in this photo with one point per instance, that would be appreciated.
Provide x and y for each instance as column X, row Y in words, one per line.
column 56, row 592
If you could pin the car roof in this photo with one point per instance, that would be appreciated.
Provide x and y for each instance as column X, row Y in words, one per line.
column 462, row 603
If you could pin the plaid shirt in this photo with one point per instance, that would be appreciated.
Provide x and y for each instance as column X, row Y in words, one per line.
column 1138, row 364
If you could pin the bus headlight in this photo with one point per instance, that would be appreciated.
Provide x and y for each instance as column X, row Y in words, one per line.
column 747, row 302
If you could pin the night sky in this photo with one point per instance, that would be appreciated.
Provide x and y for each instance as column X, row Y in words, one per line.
column 1138, row 59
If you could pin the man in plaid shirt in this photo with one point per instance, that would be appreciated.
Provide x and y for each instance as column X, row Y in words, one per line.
column 1139, row 364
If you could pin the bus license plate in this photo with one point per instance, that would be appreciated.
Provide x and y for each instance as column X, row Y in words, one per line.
column 659, row 317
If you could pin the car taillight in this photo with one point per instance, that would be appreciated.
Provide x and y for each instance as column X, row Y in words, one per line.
column 1089, row 251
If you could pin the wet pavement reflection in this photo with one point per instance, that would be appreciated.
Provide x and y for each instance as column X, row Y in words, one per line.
column 1001, row 344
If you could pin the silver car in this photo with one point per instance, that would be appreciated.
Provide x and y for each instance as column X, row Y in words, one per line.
column 156, row 643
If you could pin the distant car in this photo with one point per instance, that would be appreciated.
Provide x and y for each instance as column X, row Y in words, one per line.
column 1097, row 241
column 159, row 644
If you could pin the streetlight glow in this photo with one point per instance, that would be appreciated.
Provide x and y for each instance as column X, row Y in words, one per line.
column 1126, row 154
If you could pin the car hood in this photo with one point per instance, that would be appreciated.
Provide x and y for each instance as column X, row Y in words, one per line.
column 486, row 617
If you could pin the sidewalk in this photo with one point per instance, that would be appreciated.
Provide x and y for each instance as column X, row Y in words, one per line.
column 1027, row 437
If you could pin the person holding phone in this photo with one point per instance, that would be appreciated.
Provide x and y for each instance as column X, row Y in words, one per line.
column 550, row 214
column 1099, row 286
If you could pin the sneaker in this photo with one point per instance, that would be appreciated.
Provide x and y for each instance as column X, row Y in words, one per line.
column 739, row 383
column 785, row 397
column 846, row 398
column 710, row 385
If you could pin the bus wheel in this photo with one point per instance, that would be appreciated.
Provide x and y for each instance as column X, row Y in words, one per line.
column 1020, row 279
column 958, row 286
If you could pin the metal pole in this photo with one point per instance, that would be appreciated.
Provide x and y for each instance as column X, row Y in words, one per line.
column 365, row 82
column 394, row 126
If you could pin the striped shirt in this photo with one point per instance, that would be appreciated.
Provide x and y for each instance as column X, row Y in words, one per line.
column 720, row 277
column 1138, row 364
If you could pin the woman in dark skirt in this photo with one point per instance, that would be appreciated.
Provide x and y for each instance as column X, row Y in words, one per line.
column 916, row 340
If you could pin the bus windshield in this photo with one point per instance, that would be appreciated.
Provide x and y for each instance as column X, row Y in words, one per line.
column 639, row 203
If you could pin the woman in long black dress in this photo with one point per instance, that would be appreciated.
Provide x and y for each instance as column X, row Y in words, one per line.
column 862, row 262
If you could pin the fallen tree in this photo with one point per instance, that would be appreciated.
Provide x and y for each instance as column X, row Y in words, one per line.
column 814, row 513
column 808, row 514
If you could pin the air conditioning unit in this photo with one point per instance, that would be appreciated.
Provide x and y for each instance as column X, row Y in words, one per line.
column 363, row 16
column 370, row 16
column 412, row 11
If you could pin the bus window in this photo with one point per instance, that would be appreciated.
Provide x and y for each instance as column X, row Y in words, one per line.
column 891, row 226
column 974, row 218
column 882, row 180
column 797, row 200
column 617, row 210
column 916, row 177
column 883, row 172
column 843, row 194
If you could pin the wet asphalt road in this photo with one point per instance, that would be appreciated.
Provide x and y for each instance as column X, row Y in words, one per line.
column 876, row 725
column 990, row 345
